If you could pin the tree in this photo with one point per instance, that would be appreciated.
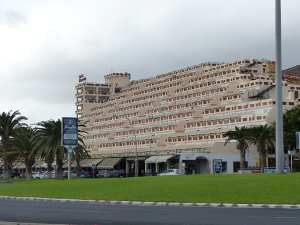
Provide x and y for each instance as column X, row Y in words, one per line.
column 263, row 138
column 239, row 134
column 80, row 153
column 22, row 147
column 48, row 145
column 291, row 124
column 9, row 123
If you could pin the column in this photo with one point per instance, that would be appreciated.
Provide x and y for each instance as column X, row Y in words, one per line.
column 127, row 168
column 146, row 169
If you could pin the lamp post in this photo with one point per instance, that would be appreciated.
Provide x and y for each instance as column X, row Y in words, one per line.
column 279, row 109
column 136, row 171
column 150, row 156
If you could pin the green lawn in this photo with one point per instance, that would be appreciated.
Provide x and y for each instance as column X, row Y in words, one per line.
column 230, row 188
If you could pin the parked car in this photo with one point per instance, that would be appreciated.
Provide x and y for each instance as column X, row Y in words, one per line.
column 117, row 173
column 172, row 172
column 44, row 175
column 11, row 175
column 86, row 175
column 22, row 175
column 52, row 175
column 104, row 174
column 38, row 175
column 73, row 174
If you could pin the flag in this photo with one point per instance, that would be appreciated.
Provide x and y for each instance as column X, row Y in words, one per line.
column 81, row 78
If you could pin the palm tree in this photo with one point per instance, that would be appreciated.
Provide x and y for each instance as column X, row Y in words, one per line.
column 239, row 134
column 263, row 138
column 80, row 153
column 22, row 147
column 9, row 123
column 48, row 145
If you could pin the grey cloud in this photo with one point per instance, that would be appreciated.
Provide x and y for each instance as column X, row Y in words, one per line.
column 145, row 38
column 12, row 18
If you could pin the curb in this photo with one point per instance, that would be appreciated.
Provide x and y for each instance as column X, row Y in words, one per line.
column 225, row 205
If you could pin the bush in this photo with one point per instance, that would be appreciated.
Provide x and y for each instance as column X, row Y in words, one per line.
column 296, row 166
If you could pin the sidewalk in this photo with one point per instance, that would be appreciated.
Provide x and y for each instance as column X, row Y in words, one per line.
column 227, row 205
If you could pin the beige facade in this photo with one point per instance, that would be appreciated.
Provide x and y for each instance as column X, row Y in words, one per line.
column 178, row 119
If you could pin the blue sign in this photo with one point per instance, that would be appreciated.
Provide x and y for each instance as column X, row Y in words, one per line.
column 93, row 166
column 69, row 131
column 273, row 170
column 218, row 166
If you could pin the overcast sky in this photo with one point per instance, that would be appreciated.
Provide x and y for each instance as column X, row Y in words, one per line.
column 45, row 45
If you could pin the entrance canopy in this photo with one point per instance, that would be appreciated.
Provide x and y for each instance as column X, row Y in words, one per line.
column 158, row 158
column 108, row 163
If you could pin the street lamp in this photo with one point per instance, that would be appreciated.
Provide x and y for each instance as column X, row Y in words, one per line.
column 279, row 109
column 136, row 172
column 151, row 154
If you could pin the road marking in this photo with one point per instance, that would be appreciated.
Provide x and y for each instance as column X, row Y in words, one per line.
column 286, row 217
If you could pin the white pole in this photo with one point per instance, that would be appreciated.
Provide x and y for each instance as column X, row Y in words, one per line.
column 279, row 111
column 70, row 150
column 291, row 163
column 69, row 165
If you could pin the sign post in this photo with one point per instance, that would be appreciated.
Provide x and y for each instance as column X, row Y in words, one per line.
column 69, row 130
column 291, row 153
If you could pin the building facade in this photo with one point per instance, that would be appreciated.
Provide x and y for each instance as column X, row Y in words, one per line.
column 177, row 119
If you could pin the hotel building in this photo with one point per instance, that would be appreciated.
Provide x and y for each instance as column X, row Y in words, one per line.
column 177, row 119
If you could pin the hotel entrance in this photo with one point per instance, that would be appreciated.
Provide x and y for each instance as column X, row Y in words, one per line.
column 194, row 163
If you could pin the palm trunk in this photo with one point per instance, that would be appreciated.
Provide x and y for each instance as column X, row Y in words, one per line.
column 5, row 161
column 29, row 163
column 49, row 170
column 49, row 160
column 5, row 166
column 10, row 167
column 241, row 146
column 263, row 158
column 78, row 169
column 28, row 173
column 59, row 170
column 242, row 159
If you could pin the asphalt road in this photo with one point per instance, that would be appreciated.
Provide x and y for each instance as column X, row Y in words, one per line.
column 41, row 212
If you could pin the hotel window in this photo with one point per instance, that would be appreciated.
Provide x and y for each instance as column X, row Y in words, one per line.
column 224, row 167
column 296, row 94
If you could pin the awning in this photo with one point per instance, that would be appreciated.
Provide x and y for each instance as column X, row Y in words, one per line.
column 158, row 158
column 86, row 162
column 15, row 166
column 65, row 166
column 1, row 164
column 108, row 163
column 38, row 164
column 95, row 161
column 44, row 165
column 21, row 166
column 164, row 158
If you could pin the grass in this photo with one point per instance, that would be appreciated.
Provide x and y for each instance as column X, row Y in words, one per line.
column 229, row 188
